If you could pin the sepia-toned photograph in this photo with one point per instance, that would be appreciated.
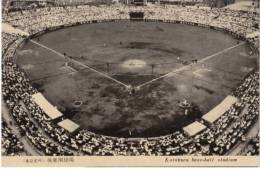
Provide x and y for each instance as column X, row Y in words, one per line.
column 130, row 83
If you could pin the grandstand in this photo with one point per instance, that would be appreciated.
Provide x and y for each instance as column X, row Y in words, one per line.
column 53, row 132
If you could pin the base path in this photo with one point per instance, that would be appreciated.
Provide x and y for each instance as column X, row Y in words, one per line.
column 79, row 63
column 188, row 66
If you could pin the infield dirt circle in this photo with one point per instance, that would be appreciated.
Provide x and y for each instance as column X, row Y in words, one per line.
column 134, row 53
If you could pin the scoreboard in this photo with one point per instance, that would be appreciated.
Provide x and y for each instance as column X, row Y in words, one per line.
column 137, row 16
column 139, row 2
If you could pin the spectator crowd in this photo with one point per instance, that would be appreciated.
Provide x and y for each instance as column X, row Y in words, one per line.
column 10, row 143
column 252, row 148
column 239, row 23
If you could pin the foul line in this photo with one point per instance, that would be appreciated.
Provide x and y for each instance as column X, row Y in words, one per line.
column 185, row 67
column 94, row 70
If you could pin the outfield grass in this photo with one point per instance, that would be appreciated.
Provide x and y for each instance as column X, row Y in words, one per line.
column 107, row 108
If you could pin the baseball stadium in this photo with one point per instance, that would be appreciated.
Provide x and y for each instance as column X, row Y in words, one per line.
column 166, row 77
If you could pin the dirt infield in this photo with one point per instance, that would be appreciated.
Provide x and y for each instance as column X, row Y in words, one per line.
column 134, row 53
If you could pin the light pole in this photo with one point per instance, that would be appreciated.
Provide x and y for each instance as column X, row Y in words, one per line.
column 153, row 66
column 107, row 64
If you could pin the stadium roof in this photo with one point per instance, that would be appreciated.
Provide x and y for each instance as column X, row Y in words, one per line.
column 220, row 109
column 68, row 125
column 194, row 128
column 253, row 34
column 48, row 108
column 7, row 28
